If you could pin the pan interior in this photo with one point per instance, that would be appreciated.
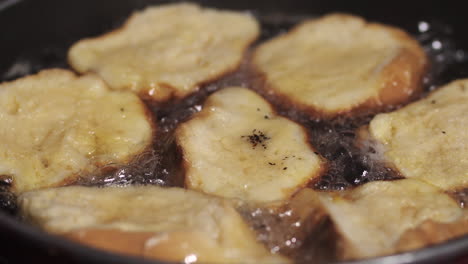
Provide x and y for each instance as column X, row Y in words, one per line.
column 37, row 34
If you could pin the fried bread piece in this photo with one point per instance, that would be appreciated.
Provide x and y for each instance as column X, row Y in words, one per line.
column 55, row 126
column 370, row 219
column 168, row 50
column 340, row 63
column 428, row 139
column 430, row 233
column 238, row 147
column 170, row 224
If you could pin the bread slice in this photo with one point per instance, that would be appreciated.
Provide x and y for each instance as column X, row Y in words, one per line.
column 238, row 147
column 428, row 139
column 370, row 219
column 339, row 64
column 431, row 233
column 55, row 126
column 168, row 50
column 169, row 224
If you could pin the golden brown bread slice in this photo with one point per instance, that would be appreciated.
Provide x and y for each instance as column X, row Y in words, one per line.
column 340, row 63
column 55, row 126
column 168, row 50
column 430, row 233
column 371, row 219
column 428, row 139
column 238, row 147
column 164, row 223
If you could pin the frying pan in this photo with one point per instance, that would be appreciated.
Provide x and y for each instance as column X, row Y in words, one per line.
column 38, row 33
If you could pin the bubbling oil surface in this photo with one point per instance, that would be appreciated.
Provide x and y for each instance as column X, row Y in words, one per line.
column 349, row 166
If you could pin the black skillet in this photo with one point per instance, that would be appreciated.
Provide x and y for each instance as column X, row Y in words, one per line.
column 37, row 33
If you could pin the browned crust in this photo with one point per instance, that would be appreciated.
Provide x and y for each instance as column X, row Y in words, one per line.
column 174, row 246
column 183, row 131
column 114, row 240
column 431, row 233
column 401, row 79
column 173, row 93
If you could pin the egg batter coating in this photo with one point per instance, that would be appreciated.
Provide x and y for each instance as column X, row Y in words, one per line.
column 376, row 219
column 339, row 64
column 168, row 50
column 238, row 147
column 170, row 224
column 428, row 139
column 55, row 127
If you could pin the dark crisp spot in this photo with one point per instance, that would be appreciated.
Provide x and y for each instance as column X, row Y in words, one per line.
column 316, row 153
column 272, row 163
column 122, row 109
column 285, row 168
column 45, row 163
column 257, row 138
column 266, row 117
column 433, row 101
column 443, row 132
